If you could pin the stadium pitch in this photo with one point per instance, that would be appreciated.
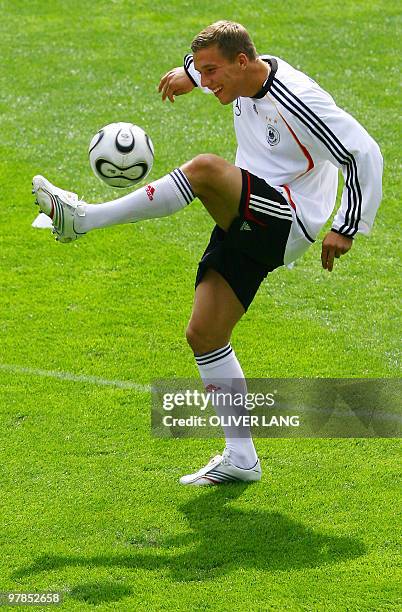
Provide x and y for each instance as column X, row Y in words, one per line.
column 90, row 503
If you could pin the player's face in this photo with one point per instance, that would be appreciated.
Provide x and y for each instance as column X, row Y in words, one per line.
column 222, row 76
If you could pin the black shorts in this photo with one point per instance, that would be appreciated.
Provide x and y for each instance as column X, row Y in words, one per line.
column 255, row 242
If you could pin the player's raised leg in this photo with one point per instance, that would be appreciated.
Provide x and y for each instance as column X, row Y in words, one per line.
column 215, row 313
column 215, row 181
column 73, row 218
column 218, row 184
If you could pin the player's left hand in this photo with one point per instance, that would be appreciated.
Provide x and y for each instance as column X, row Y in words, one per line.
column 334, row 245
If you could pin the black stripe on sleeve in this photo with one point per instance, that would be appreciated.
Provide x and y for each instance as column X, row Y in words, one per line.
column 341, row 233
column 188, row 60
column 309, row 119
column 290, row 101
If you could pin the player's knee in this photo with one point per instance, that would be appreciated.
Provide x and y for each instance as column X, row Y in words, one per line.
column 194, row 337
column 201, row 170
column 202, row 339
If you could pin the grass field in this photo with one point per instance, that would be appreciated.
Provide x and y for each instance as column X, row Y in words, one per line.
column 90, row 504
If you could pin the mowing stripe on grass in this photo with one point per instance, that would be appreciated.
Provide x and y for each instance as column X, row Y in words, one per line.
column 69, row 376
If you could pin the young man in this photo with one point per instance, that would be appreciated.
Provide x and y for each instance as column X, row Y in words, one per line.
column 268, row 207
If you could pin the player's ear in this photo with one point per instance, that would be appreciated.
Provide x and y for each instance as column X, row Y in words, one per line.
column 242, row 60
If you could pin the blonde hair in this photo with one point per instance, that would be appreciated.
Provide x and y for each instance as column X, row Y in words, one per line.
column 230, row 37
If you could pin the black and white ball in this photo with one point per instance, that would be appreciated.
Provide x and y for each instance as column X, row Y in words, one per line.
column 121, row 154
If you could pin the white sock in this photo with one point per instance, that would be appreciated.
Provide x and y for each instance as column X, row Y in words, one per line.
column 221, row 369
column 159, row 199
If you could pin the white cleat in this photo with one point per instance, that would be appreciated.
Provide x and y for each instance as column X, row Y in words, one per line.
column 61, row 206
column 220, row 470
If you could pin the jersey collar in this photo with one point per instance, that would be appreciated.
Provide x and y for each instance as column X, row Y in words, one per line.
column 267, row 84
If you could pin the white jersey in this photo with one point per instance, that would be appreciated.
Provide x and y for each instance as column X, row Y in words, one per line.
column 294, row 136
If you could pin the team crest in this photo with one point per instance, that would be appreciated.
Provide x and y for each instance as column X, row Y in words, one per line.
column 272, row 135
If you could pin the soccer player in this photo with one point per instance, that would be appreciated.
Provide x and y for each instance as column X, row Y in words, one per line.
column 268, row 207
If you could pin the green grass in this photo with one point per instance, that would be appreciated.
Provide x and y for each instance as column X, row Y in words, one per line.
column 90, row 504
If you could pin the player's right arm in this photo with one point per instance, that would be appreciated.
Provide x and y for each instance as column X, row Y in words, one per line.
column 176, row 82
column 181, row 80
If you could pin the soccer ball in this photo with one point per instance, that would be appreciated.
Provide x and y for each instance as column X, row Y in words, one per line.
column 121, row 154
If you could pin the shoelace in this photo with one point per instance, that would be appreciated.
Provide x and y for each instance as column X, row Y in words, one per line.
column 226, row 457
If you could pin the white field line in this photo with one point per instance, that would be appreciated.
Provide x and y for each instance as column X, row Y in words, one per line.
column 83, row 378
